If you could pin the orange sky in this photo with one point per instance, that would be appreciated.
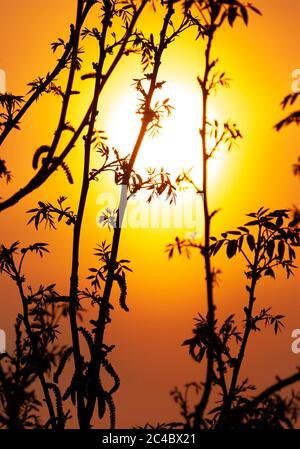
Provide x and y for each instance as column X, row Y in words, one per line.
column 165, row 296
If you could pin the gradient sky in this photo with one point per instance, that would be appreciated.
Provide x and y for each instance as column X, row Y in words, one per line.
column 164, row 296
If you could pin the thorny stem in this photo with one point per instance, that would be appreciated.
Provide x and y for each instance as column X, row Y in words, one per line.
column 100, row 330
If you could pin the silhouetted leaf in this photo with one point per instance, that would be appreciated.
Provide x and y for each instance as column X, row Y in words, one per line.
column 234, row 233
column 242, row 228
column 244, row 14
column 270, row 272
column 251, row 242
column 292, row 253
column 270, row 248
column 231, row 248
column 232, row 14
column 281, row 249
column 252, row 223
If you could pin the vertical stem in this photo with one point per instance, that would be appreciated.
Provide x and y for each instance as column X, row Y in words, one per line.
column 75, row 36
column 100, row 330
column 200, row 408
column 84, row 416
column 83, row 422
column 248, row 328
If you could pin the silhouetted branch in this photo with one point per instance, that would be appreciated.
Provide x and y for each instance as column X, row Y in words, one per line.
column 85, row 413
column 147, row 118
column 41, row 86
column 52, row 165
column 278, row 386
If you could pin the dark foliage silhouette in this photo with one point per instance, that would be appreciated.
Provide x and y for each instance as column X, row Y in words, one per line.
column 48, row 382
column 88, row 350
column 270, row 246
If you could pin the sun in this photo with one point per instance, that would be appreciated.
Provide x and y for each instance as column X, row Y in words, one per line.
column 176, row 147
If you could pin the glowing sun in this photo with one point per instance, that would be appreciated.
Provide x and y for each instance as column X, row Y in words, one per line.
column 176, row 147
